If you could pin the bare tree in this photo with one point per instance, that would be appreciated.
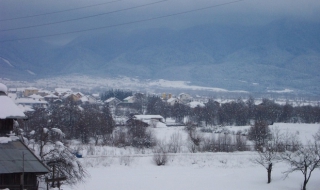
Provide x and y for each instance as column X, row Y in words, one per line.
column 306, row 159
column 268, row 155
column 266, row 158
column 160, row 157
column 194, row 140
column 175, row 143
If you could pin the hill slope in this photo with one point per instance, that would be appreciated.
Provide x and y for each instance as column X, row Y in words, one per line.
column 282, row 54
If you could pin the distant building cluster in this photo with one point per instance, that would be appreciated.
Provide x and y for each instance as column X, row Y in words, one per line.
column 29, row 98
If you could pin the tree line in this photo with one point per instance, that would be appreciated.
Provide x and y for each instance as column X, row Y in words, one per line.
column 236, row 112
column 77, row 122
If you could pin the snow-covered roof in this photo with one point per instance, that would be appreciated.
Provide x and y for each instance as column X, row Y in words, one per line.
column 25, row 108
column 67, row 95
column 51, row 96
column 142, row 117
column 111, row 99
column 9, row 109
column 30, row 101
column 184, row 95
column 11, row 161
column 76, row 93
column 57, row 100
column 128, row 98
column 16, row 89
column 171, row 100
column 3, row 88
column 35, row 96
column 195, row 104
column 84, row 99
column 45, row 91
column 96, row 95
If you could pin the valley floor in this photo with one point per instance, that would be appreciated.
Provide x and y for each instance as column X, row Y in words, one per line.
column 228, row 171
column 124, row 169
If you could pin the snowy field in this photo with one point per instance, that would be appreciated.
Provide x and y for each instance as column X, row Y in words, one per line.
column 228, row 171
column 122, row 169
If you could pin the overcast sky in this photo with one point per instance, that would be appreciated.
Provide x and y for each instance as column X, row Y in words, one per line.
column 247, row 12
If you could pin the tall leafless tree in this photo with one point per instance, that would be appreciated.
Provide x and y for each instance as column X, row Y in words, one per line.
column 306, row 159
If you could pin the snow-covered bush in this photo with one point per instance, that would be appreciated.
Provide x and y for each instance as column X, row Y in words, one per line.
column 223, row 143
column 306, row 159
column 160, row 157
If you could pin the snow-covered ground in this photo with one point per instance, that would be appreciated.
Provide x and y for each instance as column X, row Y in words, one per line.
column 232, row 172
column 122, row 169
column 228, row 171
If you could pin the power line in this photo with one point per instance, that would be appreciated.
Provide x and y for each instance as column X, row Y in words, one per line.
column 81, row 18
column 67, row 10
column 122, row 24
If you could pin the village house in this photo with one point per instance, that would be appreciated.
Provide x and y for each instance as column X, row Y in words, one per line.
column 51, row 97
column 43, row 92
column 194, row 104
column 147, row 120
column 96, row 96
column 184, row 98
column 34, row 103
column 76, row 96
column 62, row 91
column 19, row 167
column 36, row 97
column 129, row 99
column 29, row 91
column 165, row 96
column 112, row 102
column 17, row 91
column 88, row 99
column 172, row 101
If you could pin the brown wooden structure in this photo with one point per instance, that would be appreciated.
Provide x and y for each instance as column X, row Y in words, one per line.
column 19, row 167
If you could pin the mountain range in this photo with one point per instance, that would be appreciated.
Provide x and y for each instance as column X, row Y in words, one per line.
column 283, row 54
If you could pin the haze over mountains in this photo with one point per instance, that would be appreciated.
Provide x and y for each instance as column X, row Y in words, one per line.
column 283, row 54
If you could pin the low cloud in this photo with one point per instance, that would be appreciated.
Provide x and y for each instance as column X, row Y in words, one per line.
column 246, row 12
